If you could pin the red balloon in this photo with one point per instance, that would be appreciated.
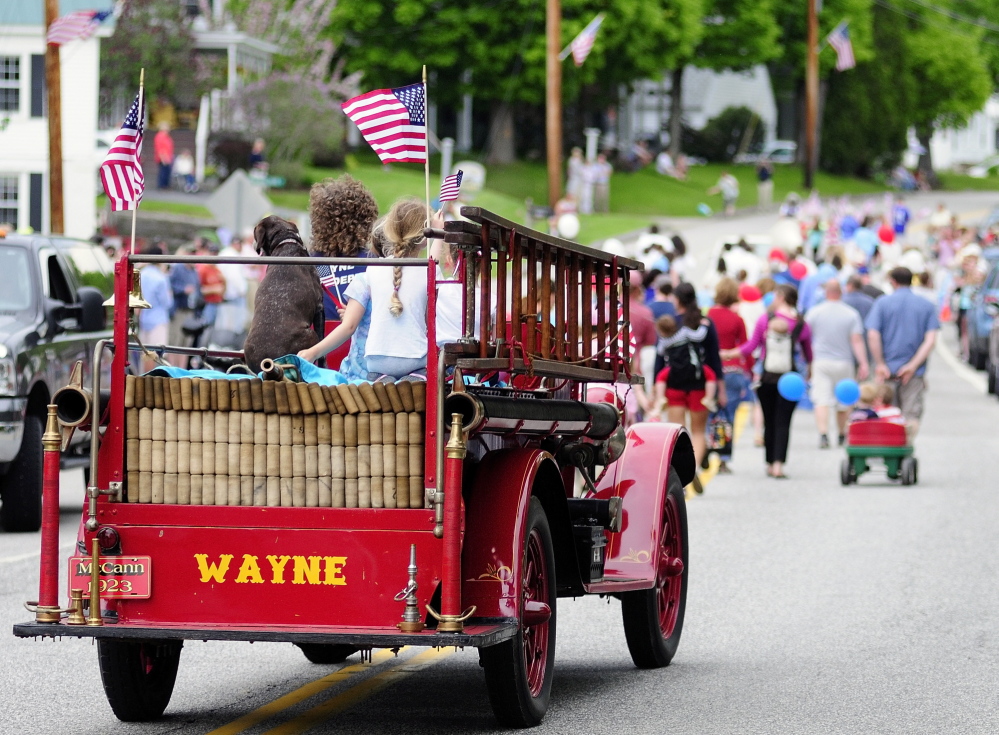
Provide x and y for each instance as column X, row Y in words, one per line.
column 797, row 270
column 886, row 234
column 749, row 292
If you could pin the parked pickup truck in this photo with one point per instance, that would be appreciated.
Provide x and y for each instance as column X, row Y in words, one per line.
column 51, row 315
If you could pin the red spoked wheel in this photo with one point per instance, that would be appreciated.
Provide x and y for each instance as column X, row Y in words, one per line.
column 653, row 618
column 519, row 671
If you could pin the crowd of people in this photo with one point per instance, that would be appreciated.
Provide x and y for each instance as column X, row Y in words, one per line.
column 842, row 293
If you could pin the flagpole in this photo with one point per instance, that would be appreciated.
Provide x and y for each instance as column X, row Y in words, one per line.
column 138, row 154
column 426, row 129
column 54, row 93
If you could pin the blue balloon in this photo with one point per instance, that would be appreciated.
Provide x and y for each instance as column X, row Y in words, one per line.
column 791, row 386
column 847, row 392
column 768, row 298
column 704, row 209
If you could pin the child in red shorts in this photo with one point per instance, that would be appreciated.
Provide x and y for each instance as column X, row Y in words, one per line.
column 667, row 327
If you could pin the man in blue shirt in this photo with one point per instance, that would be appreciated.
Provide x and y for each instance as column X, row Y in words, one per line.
column 902, row 330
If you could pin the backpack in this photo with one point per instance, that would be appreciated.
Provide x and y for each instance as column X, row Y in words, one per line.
column 686, row 365
column 779, row 358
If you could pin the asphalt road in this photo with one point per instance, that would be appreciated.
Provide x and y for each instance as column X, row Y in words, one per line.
column 812, row 608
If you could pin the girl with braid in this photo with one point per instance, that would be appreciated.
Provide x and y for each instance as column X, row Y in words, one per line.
column 396, row 299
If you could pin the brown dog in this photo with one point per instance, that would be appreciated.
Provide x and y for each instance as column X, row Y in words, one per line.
column 288, row 308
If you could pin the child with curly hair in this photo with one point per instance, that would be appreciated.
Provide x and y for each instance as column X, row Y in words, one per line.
column 395, row 298
column 343, row 212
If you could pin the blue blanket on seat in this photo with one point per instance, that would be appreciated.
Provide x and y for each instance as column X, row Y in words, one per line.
column 308, row 372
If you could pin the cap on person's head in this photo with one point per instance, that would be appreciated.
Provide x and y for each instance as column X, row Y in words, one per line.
column 969, row 251
column 777, row 254
column 901, row 275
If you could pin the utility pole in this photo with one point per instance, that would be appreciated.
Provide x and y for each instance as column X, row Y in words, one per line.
column 553, row 100
column 53, row 85
column 811, row 95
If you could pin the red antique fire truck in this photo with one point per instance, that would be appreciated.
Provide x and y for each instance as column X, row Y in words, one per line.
column 448, row 513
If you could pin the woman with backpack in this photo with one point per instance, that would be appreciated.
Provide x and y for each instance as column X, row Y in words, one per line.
column 783, row 336
column 686, row 353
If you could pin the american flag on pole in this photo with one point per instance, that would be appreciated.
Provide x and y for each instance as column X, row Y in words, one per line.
column 393, row 122
column 121, row 172
column 80, row 24
column 839, row 39
column 583, row 43
column 450, row 187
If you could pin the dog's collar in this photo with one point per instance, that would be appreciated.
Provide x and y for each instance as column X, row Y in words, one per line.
column 290, row 239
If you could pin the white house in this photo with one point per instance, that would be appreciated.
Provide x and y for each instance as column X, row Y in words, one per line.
column 24, row 132
column 706, row 93
column 960, row 147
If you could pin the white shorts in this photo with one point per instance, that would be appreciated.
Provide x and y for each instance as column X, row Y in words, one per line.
column 825, row 375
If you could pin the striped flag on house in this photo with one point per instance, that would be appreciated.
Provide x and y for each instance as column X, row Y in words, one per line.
column 121, row 171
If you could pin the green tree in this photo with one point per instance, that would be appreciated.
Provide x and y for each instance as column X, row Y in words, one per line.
column 502, row 45
column 153, row 35
column 736, row 34
column 867, row 109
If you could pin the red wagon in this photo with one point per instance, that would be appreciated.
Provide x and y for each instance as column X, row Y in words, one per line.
column 347, row 518
column 878, row 440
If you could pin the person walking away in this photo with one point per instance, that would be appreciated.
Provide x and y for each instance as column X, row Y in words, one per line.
column 602, row 171
column 838, row 353
column 780, row 333
column 212, row 284
column 154, row 322
column 728, row 187
column 731, row 333
column 902, row 330
column 233, row 315
column 854, row 296
column 643, row 328
column 574, row 173
column 764, row 184
column 685, row 354
column 163, row 155
column 186, row 288
column 900, row 216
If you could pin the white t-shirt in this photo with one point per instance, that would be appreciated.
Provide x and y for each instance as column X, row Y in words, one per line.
column 449, row 312
column 390, row 336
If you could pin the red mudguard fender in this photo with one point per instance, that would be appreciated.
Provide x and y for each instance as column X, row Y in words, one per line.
column 640, row 478
column 497, row 493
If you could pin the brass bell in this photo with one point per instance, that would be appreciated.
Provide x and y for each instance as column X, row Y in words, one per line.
column 135, row 300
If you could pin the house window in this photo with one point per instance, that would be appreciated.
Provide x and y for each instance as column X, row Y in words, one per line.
column 8, row 200
column 10, row 83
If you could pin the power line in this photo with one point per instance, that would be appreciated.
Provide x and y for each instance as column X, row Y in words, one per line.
column 984, row 24
column 926, row 21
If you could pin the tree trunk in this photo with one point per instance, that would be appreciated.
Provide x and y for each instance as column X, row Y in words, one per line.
column 925, row 165
column 501, row 148
column 676, row 113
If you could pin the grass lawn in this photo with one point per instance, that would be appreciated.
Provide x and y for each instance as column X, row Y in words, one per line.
column 151, row 205
column 959, row 182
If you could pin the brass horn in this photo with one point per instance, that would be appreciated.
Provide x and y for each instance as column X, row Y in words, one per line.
column 135, row 300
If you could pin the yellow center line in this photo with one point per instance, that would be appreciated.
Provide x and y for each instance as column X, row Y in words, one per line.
column 355, row 694
column 290, row 699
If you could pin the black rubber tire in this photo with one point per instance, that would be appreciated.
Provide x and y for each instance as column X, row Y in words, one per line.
column 648, row 645
column 327, row 653
column 21, row 487
column 990, row 370
column 138, row 676
column 977, row 359
column 915, row 471
column 907, row 471
column 845, row 476
column 505, row 665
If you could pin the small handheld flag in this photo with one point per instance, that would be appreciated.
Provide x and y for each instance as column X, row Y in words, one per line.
column 121, row 171
column 393, row 122
column 583, row 43
column 839, row 39
column 79, row 25
column 450, row 187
